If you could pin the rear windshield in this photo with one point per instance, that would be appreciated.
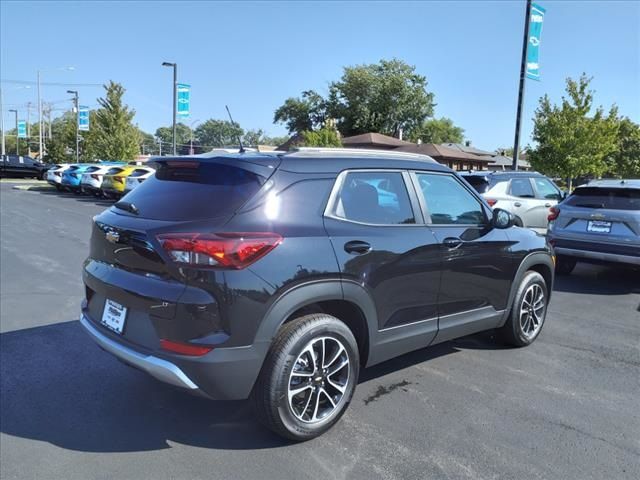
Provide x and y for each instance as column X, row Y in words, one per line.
column 194, row 191
column 480, row 184
column 139, row 172
column 114, row 170
column 74, row 167
column 610, row 198
column 92, row 169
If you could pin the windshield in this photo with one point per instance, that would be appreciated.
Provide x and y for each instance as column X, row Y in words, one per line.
column 610, row 198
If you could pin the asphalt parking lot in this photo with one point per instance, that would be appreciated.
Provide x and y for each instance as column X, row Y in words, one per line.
column 566, row 407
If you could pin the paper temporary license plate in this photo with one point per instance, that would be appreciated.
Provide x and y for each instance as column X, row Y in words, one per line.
column 113, row 316
column 598, row 226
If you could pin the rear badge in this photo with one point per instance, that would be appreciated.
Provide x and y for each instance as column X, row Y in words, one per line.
column 113, row 237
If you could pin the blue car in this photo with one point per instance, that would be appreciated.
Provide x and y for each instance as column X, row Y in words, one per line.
column 72, row 176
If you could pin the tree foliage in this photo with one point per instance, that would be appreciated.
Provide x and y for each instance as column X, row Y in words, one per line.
column 437, row 130
column 386, row 97
column 572, row 138
column 183, row 137
column 302, row 113
column 218, row 133
column 113, row 136
column 625, row 161
column 324, row 137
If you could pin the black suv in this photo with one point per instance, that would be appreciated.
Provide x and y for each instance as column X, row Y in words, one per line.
column 22, row 166
column 279, row 276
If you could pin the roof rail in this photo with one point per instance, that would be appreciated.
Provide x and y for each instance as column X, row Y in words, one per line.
column 357, row 152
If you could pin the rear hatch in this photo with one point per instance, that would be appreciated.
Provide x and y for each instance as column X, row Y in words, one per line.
column 130, row 262
column 602, row 219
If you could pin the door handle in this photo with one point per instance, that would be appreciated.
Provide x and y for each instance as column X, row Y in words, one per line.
column 517, row 204
column 357, row 247
column 547, row 205
column 452, row 242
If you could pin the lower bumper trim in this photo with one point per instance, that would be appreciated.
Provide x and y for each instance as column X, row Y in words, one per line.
column 158, row 368
column 601, row 256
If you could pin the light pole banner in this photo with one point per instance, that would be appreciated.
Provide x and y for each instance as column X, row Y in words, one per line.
column 533, row 47
column 83, row 118
column 22, row 129
column 183, row 99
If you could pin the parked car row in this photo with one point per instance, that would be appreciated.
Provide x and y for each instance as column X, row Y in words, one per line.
column 599, row 222
column 22, row 166
column 107, row 179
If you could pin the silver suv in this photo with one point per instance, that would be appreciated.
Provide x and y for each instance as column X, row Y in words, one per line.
column 599, row 222
column 528, row 195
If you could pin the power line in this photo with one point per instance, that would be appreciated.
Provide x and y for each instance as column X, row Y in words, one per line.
column 55, row 84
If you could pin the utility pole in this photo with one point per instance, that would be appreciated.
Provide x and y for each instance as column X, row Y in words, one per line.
column 40, row 146
column 75, row 106
column 17, row 137
column 2, row 123
column 175, row 99
column 523, row 69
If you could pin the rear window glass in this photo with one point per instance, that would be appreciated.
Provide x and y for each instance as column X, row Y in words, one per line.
column 73, row 167
column 191, row 192
column 610, row 198
column 114, row 170
column 138, row 173
column 480, row 184
column 92, row 169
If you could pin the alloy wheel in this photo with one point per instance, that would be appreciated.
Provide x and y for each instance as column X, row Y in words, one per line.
column 532, row 310
column 318, row 380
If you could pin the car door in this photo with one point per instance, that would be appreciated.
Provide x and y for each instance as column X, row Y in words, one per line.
column 383, row 246
column 524, row 201
column 547, row 196
column 477, row 266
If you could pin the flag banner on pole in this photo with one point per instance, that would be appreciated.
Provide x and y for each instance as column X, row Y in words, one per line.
column 83, row 118
column 183, row 99
column 22, row 129
column 533, row 47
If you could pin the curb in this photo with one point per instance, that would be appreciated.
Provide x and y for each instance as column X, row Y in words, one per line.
column 34, row 188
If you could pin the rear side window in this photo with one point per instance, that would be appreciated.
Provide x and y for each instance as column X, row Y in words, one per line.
column 610, row 198
column 194, row 190
column 546, row 189
column 521, row 187
column 448, row 202
column 480, row 184
column 378, row 198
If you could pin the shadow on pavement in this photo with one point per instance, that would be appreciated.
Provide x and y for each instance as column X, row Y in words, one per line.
column 59, row 387
column 600, row 280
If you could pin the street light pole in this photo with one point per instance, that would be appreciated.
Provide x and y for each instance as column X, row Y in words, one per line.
column 75, row 105
column 40, row 147
column 2, row 122
column 523, row 69
column 17, row 137
column 175, row 99
column 191, row 125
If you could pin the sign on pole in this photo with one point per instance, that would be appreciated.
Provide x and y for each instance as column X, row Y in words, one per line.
column 535, row 35
column 83, row 118
column 22, row 129
column 183, row 99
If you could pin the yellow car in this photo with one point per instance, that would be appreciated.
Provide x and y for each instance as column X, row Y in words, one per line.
column 114, row 180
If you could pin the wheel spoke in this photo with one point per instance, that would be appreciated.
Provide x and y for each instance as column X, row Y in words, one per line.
column 306, row 405
column 335, row 357
column 340, row 366
column 297, row 391
column 329, row 397
column 317, row 405
column 337, row 386
column 299, row 373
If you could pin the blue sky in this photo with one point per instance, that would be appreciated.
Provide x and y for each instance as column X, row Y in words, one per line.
column 253, row 55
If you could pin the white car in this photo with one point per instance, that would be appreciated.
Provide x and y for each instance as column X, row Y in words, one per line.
column 54, row 174
column 138, row 176
column 91, row 180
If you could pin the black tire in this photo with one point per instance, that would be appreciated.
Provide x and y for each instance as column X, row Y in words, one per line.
column 270, row 393
column 565, row 265
column 513, row 332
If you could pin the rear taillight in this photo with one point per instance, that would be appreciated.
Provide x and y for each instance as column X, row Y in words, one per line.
column 95, row 177
column 553, row 213
column 184, row 348
column 227, row 250
column 119, row 179
column 491, row 201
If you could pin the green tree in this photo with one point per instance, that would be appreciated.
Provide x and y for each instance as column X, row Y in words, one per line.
column 258, row 137
column 303, row 113
column 437, row 130
column 113, row 136
column 324, row 137
column 625, row 161
column 571, row 141
column 218, row 133
column 183, row 137
column 61, row 147
column 387, row 97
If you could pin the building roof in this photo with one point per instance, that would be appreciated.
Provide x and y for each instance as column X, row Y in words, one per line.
column 504, row 161
column 466, row 148
column 374, row 139
column 440, row 152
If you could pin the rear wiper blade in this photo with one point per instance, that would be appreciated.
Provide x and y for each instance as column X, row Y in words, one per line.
column 126, row 206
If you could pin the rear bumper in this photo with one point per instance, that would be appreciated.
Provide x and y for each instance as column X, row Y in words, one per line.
column 161, row 369
column 222, row 374
column 598, row 256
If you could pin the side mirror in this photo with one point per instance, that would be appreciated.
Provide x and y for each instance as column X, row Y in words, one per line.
column 502, row 219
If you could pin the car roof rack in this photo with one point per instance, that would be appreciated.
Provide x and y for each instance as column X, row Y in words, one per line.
column 356, row 152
